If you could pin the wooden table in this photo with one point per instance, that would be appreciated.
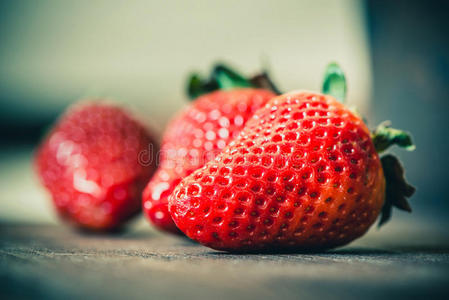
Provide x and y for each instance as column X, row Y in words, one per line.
column 47, row 261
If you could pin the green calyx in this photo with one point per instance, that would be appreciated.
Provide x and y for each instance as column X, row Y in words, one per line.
column 334, row 82
column 397, row 188
column 228, row 79
column 384, row 136
column 225, row 78
column 196, row 86
column 263, row 81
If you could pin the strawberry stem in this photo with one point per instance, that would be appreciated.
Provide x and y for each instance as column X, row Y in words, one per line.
column 384, row 137
column 225, row 78
column 334, row 82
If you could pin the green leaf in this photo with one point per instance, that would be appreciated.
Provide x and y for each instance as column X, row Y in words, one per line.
column 223, row 77
column 384, row 136
column 228, row 79
column 397, row 189
column 263, row 81
column 196, row 86
column 334, row 83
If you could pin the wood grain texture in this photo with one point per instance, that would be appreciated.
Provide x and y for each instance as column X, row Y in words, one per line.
column 54, row 262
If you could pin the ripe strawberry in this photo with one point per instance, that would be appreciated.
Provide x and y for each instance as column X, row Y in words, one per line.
column 303, row 174
column 198, row 133
column 89, row 163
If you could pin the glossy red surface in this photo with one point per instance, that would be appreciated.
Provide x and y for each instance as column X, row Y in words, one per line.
column 90, row 164
column 194, row 137
column 303, row 174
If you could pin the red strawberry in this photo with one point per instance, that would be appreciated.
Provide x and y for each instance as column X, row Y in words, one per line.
column 303, row 174
column 89, row 163
column 198, row 133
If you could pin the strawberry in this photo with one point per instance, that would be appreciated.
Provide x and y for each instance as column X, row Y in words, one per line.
column 199, row 132
column 89, row 163
column 303, row 174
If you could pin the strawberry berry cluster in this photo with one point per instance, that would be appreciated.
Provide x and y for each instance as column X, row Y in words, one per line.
column 242, row 168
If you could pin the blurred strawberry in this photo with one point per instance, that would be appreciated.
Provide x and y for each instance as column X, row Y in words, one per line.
column 92, row 164
column 199, row 132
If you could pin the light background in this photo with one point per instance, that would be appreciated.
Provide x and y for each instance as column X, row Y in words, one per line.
column 52, row 53
column 139, row 53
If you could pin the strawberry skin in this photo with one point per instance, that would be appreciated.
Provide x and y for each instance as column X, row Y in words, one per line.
column 303, row 174
column 89, row 162
column 195, row 136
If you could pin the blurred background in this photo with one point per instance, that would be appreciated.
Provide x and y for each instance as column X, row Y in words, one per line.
column 138, row 53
